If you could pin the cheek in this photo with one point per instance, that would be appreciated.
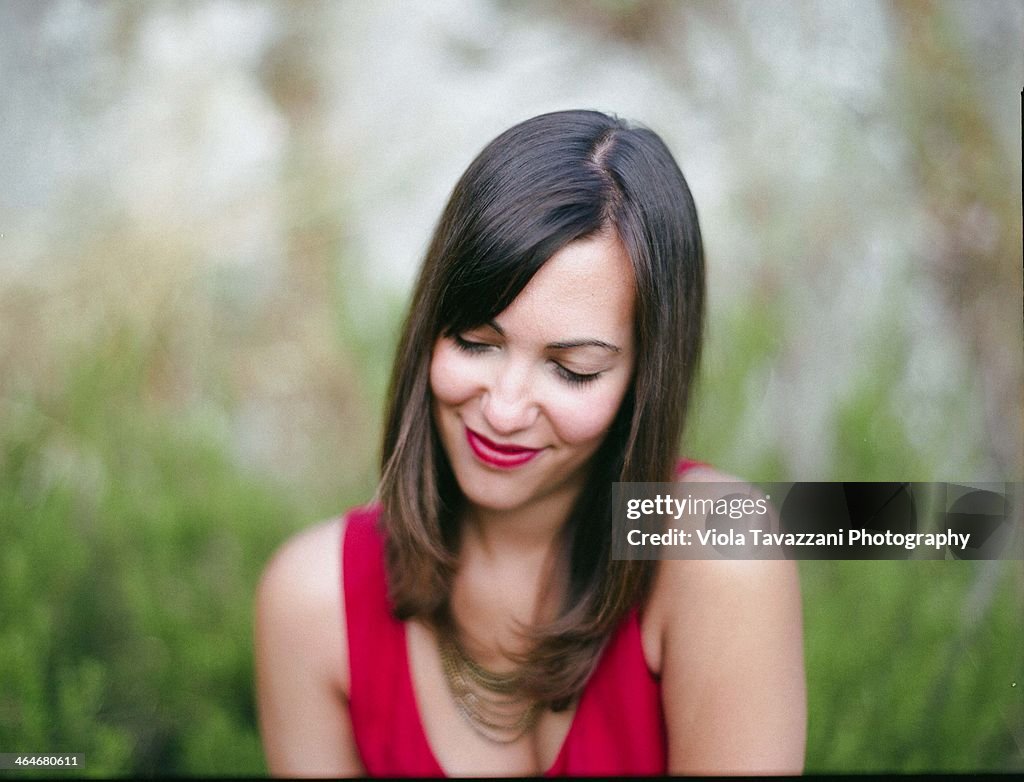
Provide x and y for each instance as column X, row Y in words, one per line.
column 451, row 381
column 581, row 419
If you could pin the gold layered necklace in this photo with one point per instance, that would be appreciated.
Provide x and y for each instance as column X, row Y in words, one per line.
column 490, row 702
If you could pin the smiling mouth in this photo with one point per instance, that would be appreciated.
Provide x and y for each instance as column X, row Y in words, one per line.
column 498, row 455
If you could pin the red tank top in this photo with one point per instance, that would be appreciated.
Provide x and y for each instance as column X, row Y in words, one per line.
column 618, row 728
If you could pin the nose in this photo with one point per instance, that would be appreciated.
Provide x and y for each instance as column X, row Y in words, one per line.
column 508, row 403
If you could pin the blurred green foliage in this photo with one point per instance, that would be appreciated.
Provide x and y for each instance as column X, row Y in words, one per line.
column 903, row 677
column 133, row 543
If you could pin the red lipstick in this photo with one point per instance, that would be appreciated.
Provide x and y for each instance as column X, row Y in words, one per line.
column 498, row 455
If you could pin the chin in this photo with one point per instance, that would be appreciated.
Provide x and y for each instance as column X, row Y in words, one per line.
column 507, row 492
column 491, row 494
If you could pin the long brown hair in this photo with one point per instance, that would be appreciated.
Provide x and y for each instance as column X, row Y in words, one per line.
column 538, row 186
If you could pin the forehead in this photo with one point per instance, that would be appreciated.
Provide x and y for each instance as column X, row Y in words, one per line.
column 585, row 290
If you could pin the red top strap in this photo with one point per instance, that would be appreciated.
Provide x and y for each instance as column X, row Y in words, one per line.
column 618, row 728
column 685, row 465
column 382, row 704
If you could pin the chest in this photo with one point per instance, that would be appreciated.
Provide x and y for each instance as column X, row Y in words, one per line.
column 457, row 746
column 406, row 724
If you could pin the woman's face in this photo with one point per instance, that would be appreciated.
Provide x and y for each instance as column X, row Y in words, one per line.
column 523, row 402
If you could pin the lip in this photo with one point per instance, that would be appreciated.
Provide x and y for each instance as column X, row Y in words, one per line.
column 497, row 455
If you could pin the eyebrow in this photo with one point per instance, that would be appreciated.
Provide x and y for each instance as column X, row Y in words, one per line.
column 584, row 343
column 568, row 344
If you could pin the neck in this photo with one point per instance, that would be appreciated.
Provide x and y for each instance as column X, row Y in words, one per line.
column 529, row 533
column 509, row 568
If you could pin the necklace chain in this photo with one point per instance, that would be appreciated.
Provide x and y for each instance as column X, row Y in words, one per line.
column 490, row 702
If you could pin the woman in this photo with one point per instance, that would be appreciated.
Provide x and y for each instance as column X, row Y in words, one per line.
column 481, row 626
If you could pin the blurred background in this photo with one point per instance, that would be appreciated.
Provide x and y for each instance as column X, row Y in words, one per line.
column 211, row 215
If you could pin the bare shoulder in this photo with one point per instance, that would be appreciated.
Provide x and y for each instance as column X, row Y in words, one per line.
column 301, row 561
column 301, row 658
column 299, row 593
column 714, row 581
column 685, row 590
column 727, row 639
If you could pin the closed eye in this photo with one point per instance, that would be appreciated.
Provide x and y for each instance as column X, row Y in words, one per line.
column 570, row 377
column 575, row 378
column 469, row 346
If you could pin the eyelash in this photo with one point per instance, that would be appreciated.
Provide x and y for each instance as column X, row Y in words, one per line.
column 575, row 378
column 470, row 347
column 572, row 378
